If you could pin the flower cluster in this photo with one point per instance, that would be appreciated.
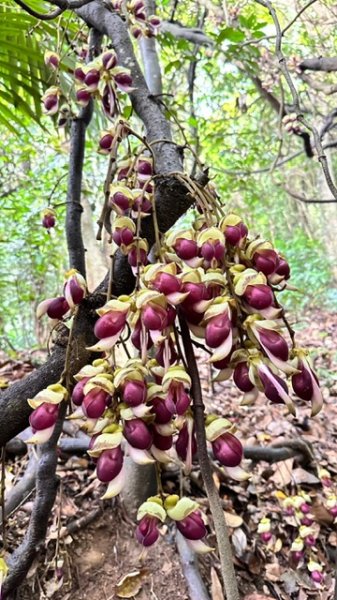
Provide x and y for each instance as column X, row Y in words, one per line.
column 100, row 78
column 140, row 24
column 184, row 512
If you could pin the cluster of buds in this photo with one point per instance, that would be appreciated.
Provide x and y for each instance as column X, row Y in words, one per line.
column 184, row 512
column 140, row 24
column 291, row 123
column 100, row 78
column 74, row 290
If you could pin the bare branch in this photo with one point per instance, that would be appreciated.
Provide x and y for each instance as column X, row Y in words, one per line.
column 296, row 102
column 150, row 58
column 319, row 64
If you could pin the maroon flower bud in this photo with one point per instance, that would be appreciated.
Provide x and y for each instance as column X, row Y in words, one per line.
column 51, row 59
column 259, row 296
column 134, row 393
column 136, row 32
column 197, row 292
column 95, row 403
column 109, row 59
column 283, row 268
column 241, row 377
column 266, row 261
column 136, row 256
column 270, row 389
column 213, row 250
column 109, row 100
column 302, row 383
column 77, row 396
column 137, row 334
column 182, row 442
column 217, row 330
column 235, row 233
column 266, row 536
column 154, row 21
column 137, row 434
column 177, row 399
column 124, row 81
column 83, row 96
column 57, row 308
column 167, row 283
column 44, row 416
column 140, row 16
column 275, row 343
column 168, row 351
column 51, row 103
column 297, row 555
column 310, row 540
column 109, row 464
column 192, row 527
column 123, row 235
column 228, row 450
column 120, row 201
column 109, row 324
column 186, row 249
column 79, row 74
column 223, row 363
column 333, row 511
column 162, row 413
column 317, row 576
column 106, row 141
column 75, row 291
column 144, row 168
column 91, row 79
column 307, row 521
column 154, row 318
column 147, row 531
column 49, row 220
column 305, row 508
column 162, row 442
column 142, row 204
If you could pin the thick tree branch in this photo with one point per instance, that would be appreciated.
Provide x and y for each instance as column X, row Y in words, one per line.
column 319, row 64
column 194, row 35
column 152, row 70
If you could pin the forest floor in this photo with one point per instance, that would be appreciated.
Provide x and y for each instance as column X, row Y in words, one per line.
column 94, row 560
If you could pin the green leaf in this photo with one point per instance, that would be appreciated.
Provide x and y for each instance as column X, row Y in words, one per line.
column 233, row 35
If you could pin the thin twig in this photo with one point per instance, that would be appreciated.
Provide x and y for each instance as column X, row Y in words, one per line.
column 221, row 531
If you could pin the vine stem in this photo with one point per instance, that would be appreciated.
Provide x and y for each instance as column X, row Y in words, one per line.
column 224, row 546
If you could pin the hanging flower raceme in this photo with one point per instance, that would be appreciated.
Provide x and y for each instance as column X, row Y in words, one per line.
column 106, row 449
column 219, row 328
column 226, row 447
column 234, row 229
column 150, row 515
column 305, row 383
column 175, row 383
column 46, row 409
column 112, row 321
column 189, row 521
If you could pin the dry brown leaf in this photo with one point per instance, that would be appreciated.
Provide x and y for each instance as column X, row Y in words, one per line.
column 302, row 476
column 283, row 473
column 278, row 546
column 273, row 571
column 239, row 541
column 216, row 589
column 321, row 514
column 131, row 584
column 233, row 520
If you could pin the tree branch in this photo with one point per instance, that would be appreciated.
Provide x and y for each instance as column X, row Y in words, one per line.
column 319, row 64
column 221, row 531
column 150, row 59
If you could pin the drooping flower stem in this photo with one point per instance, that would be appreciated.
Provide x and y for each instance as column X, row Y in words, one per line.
column 221, row 531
